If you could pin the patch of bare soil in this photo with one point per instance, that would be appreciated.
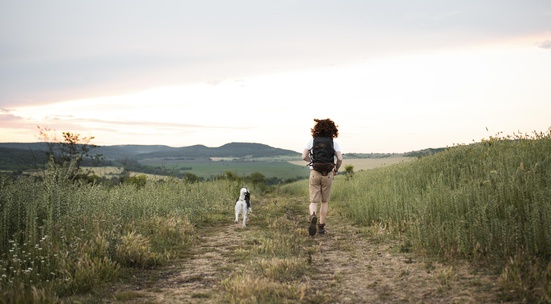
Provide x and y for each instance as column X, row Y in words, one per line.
column 193, row 279
column 348, row 265
column 360, row 269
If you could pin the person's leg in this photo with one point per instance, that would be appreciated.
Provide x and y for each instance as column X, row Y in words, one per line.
column 313, row 208
column 323, row 212
column 315, row 197
column 315, row 190
column 312, row 224
column 327, row 183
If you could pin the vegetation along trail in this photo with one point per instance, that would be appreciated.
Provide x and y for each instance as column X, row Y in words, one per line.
column 466, row 225
column 273, row 260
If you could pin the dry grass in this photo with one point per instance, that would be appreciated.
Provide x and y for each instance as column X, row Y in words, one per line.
column 116, row 171
column 367, row 163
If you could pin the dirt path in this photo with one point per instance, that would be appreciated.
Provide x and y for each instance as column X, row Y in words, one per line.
column 373, row 270
column 192, row 279
column 347, row 265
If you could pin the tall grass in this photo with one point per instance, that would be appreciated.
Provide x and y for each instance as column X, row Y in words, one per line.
column 59, row 238
column 489, row 201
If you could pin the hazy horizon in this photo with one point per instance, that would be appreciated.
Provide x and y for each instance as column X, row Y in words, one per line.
column 398, row 77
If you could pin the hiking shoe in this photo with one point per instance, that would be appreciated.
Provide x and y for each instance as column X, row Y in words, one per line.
column 321, row 228
column 312, row 228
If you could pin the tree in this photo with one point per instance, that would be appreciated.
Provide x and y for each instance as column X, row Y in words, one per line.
column 68, row 152
column 349, row 169
column 191, row 178
column 230, row 175
column 137, row 180
column 257, row 178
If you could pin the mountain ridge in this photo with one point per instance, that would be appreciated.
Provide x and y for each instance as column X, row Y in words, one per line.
column 140, row 152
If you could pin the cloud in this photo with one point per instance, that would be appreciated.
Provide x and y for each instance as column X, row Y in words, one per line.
column 545, row 44
column 11, row 121
column 70, row 122
column 152, row 124
column 6, row 117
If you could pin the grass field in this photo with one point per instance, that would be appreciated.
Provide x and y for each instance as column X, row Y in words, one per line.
column 279, row 169
column 270, row 169
column 112, row 171
column 208, row 169
column 367, row 163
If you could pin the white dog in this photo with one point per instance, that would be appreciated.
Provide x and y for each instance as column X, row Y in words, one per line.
column 243, row 205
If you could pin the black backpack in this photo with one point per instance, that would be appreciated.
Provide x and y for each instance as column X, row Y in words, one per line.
column 322, row 155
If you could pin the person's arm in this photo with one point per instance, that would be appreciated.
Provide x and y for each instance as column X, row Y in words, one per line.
column 306, row 155
column 339, row 161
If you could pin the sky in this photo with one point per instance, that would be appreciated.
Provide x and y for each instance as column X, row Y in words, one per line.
column 395, row 76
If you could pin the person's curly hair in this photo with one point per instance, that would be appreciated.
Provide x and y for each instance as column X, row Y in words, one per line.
column 325, row 128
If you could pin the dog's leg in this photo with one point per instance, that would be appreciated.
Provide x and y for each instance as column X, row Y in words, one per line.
column 236, row 213
column 244, row 216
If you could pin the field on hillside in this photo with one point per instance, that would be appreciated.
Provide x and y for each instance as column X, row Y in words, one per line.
column 208, row 169
column 113, row 172
column 487, row 202
column 367, row 163
column 278, row 169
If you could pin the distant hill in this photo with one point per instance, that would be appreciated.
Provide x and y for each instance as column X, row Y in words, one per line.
column 22, row 156
column 12, row 154
column 14, row 159
column 237, row 150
